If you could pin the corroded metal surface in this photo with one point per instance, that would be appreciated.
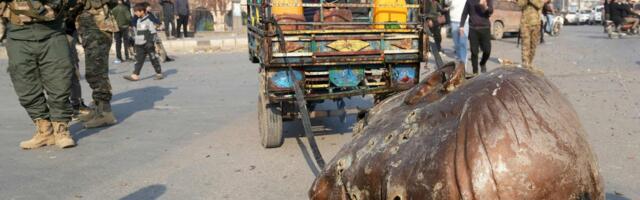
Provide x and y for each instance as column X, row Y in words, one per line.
column 506, row 134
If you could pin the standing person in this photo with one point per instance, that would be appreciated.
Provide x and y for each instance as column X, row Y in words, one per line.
column 168, row 12
column 529, row 29
column 96, row 40
column 145, row 37
column 72, row 37
column 122, row 16
column 40, row 69
column 547, row 11
column 478, row 12
column 433, row 10
column 182, row 9
column 460, row 39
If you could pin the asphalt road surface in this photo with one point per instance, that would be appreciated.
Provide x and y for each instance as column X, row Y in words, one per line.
column 194, row 135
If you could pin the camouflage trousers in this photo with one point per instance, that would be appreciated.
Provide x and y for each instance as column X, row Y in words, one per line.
column 96, row 46
column 530, row 35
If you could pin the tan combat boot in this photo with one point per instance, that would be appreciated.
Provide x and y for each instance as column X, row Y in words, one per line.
column 102, row 116
column 62, row 136
column 85, row 114
column 42, row 137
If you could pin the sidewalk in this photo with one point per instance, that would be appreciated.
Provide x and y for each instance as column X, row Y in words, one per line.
column 202, row 42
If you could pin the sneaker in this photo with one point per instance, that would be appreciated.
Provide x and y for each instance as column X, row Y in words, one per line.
column 117, row 61
column 168, row 59
column 158, row 77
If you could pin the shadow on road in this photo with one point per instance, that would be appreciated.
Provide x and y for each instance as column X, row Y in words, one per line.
column 165, row 73
column 148, row 193
column 134, row 101
column 610, row 196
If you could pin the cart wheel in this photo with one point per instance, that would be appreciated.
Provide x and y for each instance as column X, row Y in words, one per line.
column 270, row 120
column 498, row 30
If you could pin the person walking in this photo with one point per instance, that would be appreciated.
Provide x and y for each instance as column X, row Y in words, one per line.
column 478, row 12
column 548, row 12
column 96, row 40
column 160, row 50
column 145, row 37
column 168, row 13
column 460, row 39
column 182, row 9
column 41, row 69
column 530, row 24
column 122, row 16
column 434, row 21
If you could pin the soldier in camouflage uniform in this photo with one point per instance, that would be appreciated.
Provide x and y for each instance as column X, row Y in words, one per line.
column 95, row 28
column 530, row 29
column 40, row 68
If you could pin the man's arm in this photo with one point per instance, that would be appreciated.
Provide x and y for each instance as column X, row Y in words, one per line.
column 489, row 10
column 465, row 13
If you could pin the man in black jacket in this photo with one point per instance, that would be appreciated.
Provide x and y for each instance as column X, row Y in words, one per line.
column 168, row 17
column 182, row 9
column 478, row 12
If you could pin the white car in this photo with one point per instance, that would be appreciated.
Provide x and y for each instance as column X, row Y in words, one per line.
column 584, row 16
column 571, row 18
column 596, row 15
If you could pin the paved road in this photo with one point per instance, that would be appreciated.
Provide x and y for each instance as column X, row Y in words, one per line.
column 194, row 134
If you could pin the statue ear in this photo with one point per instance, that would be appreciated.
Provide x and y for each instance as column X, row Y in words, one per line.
column 437, row 84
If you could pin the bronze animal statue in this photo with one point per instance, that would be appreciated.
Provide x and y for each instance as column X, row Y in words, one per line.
column 505, row 134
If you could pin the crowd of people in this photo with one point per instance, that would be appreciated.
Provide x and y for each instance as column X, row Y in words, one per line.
column 41, row 39
column 471, row 28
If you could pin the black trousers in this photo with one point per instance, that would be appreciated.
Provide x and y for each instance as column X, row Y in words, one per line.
column 169, row 26
column 437, row 36
column 120, row 37
column 479, row 38
column 141, row 53
column 183, row 20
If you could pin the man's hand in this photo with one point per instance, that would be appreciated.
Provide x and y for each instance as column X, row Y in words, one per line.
column 483, row 3
column 461, row 30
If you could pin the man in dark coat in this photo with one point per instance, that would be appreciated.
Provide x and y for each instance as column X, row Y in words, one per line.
column 168, row 11
column 182, row 9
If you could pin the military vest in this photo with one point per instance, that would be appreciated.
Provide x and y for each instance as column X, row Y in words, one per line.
column 20, row 12
column 97, row 15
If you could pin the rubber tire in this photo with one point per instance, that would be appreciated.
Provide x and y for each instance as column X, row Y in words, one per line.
column 269, row 119
column 497, row 31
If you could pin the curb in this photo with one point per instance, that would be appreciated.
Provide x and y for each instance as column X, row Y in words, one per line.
column 183, row 45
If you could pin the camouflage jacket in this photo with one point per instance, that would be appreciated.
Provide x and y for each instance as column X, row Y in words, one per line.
column 531, row 10
column 33, row 20
column 96, row 15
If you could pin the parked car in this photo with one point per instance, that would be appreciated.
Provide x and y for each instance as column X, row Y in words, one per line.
column 505, row 18
column 571, row 18
column 583, row 16
column 596, row 15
